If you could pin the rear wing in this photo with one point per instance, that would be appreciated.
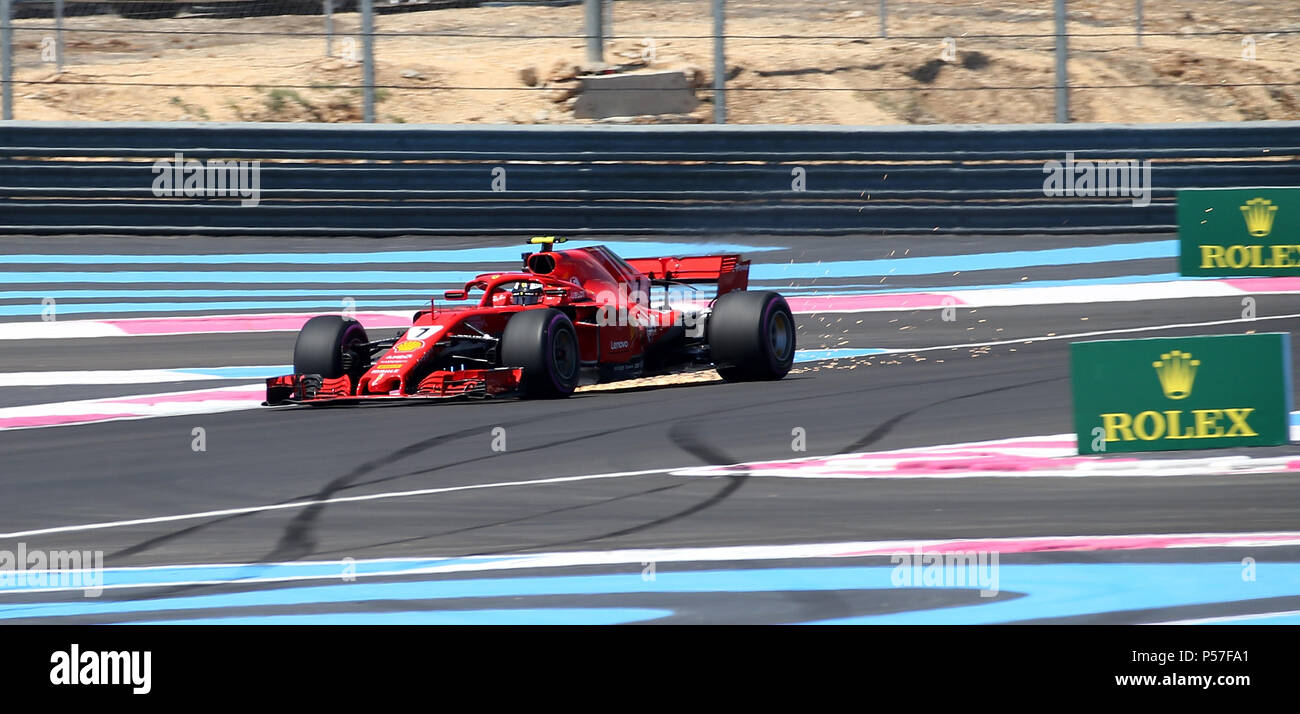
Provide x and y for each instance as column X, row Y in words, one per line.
column 728, row 271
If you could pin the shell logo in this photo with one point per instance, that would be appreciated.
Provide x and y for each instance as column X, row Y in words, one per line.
column 408, row 345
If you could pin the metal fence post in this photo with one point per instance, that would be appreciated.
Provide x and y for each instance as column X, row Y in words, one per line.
column 58, row 36
column 329, row 27
column 884, row 12
column 368, row 59
column 595, row 32
column 6, row 62
column 1062, row 78
column 719, row 63
column 1139, row 23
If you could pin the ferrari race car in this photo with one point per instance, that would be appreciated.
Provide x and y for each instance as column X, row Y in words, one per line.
column 569, row 317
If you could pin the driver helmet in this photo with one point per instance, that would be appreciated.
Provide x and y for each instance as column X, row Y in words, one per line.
column 527, row 293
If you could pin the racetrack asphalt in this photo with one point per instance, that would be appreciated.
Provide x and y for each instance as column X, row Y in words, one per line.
column 146, row 469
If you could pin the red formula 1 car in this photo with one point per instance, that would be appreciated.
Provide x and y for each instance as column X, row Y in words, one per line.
column 573, row 316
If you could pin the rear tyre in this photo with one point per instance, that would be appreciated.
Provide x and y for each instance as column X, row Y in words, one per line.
column 329, row 345
column 545, row 344
column 751, row 336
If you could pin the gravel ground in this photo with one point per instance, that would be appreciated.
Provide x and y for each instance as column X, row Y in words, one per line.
column 836, row 70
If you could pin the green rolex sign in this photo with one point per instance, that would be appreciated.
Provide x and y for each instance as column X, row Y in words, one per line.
column 1181, row 392
column 1239, row 232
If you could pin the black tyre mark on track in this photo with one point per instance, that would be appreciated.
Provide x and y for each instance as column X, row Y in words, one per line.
column 348, row 482
column 688, row 442
column 885, row 428
column 297, row 541
column 510, row 521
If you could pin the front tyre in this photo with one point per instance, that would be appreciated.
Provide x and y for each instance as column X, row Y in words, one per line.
column 330, row 345
column 751, row 336
column 545, row 344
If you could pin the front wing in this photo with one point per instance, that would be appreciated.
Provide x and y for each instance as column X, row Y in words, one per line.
column 313, row 389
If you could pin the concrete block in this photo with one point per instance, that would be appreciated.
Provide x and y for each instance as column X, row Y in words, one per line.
column 635, row 94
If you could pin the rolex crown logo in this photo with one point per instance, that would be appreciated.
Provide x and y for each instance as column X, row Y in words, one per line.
column 1259, row 214
column 1177, row 371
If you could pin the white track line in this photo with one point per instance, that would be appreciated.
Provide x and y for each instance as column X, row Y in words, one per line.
column 1231, row 618
column 1095, row 333
column 68, row 329
column 131, row 407
column 126, row 376
column 964, row 298
column 324, row 501
column 1087, row 294
column 639, row 556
